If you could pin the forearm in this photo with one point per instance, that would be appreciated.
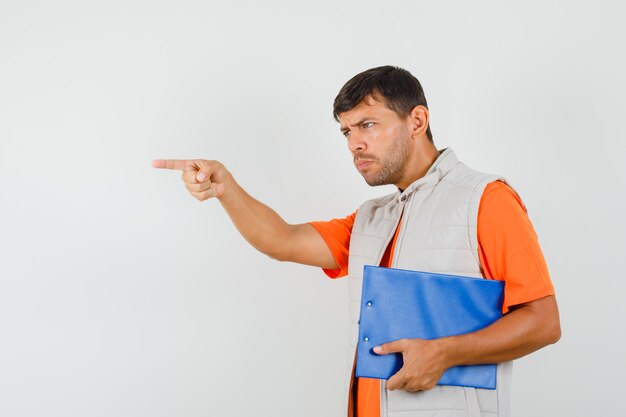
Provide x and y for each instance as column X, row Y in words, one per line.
column 524, row 330
column 261, row 226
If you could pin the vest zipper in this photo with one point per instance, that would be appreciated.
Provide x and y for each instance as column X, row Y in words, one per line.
column 408, row 204
column 402, row 221
column 390, row 237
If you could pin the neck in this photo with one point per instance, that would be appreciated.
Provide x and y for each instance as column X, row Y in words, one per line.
column 423, row 156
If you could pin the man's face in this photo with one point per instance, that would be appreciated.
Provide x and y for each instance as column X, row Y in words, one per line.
column 379, row 141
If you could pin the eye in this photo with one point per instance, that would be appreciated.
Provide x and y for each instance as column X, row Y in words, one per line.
column 346, row 133
column 367, row 125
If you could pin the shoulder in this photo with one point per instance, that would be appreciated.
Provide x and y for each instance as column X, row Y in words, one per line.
column 499, row 195
column 462, row 176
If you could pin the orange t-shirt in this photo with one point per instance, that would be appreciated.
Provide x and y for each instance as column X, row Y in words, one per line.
column 508, row 250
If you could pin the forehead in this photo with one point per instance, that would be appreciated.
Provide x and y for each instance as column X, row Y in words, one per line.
column 369, row 108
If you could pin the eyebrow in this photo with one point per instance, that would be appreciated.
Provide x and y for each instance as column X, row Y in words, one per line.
column 345, row 128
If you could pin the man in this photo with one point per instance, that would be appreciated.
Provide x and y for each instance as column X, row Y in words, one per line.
column 444, row 218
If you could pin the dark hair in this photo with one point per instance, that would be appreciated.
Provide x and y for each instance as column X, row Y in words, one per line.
column 397, row 87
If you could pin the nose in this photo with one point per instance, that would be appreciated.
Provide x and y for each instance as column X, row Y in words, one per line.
column 356, row 143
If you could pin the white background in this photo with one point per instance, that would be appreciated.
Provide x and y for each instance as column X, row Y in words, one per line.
column 121, row 295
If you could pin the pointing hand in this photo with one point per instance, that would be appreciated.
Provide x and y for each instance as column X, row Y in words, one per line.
column 203, row 179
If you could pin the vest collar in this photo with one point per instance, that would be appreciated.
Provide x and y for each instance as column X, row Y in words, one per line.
column 442, row 165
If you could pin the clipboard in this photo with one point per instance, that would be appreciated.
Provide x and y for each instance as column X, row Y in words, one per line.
column 398, row 304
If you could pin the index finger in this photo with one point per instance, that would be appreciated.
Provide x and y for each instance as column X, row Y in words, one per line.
column 177, row 164
column 396, row 346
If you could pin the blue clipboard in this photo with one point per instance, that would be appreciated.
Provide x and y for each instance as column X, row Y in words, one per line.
column 398, row 304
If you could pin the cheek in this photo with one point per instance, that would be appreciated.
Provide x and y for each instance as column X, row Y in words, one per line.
column 389, row 134
column 383, row 139
column 399, row 132
column 378, row 138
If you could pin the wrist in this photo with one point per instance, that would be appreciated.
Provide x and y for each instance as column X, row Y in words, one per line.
column 227, row 185
column 448, row 348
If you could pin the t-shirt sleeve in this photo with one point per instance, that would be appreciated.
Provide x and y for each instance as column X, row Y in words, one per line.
column 509, row 248
column 336, row 233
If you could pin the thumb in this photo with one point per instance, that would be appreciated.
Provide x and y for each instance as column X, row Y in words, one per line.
column 201, row 176
column 205, row 170
column 210, row 170
column 391, row 347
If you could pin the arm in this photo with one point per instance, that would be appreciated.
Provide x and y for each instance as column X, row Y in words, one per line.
column 261, row 226
column 509, row 251
column 525, row 329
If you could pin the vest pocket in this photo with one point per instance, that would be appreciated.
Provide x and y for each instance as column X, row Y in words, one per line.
column 441, row 401
column 473, row 409
column 487, row 401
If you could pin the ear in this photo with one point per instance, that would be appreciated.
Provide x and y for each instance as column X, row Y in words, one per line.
column 418, row 121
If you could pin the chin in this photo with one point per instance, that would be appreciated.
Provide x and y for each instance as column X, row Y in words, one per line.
column 375, row 182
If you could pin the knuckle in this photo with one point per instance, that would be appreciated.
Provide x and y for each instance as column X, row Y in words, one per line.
column 190, row 177
column 200, row 188
column 203, row 188
column 204, row 164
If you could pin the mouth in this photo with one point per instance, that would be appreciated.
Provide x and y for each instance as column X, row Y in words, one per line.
column 362, row 164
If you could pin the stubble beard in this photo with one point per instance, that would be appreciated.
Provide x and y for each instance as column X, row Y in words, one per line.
column 393, row 164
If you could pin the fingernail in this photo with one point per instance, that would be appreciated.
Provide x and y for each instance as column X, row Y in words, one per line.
column 378, row 349
column 201, row 176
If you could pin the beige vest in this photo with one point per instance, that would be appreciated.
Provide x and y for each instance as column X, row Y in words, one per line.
column 438, row 234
